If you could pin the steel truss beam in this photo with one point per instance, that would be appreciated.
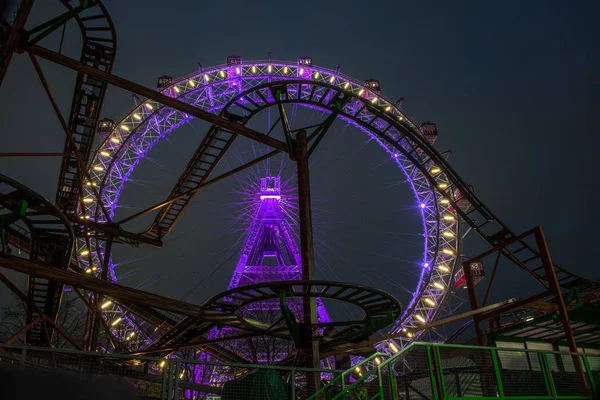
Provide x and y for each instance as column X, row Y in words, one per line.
column 130, row 295
column 158, row 97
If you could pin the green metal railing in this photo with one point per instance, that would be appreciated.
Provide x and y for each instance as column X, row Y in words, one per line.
column 445, row 371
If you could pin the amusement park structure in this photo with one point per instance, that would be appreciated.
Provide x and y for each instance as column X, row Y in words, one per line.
column 273, row 310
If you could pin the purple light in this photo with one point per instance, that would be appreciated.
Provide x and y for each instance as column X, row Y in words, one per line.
column 422, row 205
column 426, row 265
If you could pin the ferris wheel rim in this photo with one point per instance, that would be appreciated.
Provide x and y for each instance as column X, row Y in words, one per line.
column 375, row 97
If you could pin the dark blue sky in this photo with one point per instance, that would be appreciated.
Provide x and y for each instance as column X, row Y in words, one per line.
column 512, row 87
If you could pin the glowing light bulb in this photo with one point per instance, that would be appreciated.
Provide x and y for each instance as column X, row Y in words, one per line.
column 388, row 108
column 393, row 347
column 253, row 69
column 181, row 375
column 115, row 140
column 443, row 185
column 162, row 364
column 357, row 369
column 420, row 318
column 88, row 199
column 444, row 201
column 98, row 168
column 106, row 304
column 438, row 285
column 361, row 92
column 105, row 153
column 448, row 217
column 435, row 170
column 125, row 128
column 270, row 68
column 346, row 85
column 448, row 234
column 332, row 79
column 85, row 252
column 301, row 71
column 192, row 83
column 410, row 334
column 176, row 89
column 149, row 106
column 374, row 100
column 222, row 74
column 237, row 70
column 401, row 118
column 529, row 319
column 137, row 116
column 116, row 321
column 443, row 268
column 422, row 205
column 429, row 301
column 88, row 271
column 448, row 251
column 206, row 78
column 285, row 70
column 377, row 360
column 316, row 75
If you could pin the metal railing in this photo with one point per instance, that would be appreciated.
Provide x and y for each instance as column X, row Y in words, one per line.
column 147, row 377
column 446, row 371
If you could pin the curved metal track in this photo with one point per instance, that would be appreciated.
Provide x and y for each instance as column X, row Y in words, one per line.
column 99, row 48
column 48, row 237
column 247, row 89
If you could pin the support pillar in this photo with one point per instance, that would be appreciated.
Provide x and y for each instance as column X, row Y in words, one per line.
column 310, row 346
column 97, row 304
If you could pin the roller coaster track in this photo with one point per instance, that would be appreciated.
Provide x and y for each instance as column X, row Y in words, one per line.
column 46, row 234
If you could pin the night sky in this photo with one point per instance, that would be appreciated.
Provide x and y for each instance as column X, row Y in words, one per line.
column 512, row 87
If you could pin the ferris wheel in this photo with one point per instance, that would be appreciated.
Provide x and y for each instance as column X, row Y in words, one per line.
column 241, row 90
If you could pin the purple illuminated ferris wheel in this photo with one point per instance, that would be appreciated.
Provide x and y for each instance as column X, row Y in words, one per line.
column 240, row 91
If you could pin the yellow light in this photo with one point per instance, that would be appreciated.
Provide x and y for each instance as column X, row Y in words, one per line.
column 374, row 100
column 429, row 301
column 301, row 71
column 401, row 118
column 222, row 74
column 403, row 329
column 270, row 68
column 176, row 89
column 332, row 79
column 346, row 85
column 87, row 271
column 88, row 199
column 89, row 184
column 125, row 128
column 89, row 234
column 393, row 347
column 206, row 78
column 106, row 304
column 357, row 369
column 162, row 364
column 181, row 375
column 116, row 321
column 87, row 217
column 448, row 234
column 285, row 70
column 149, row 106
column 361, row 92
column 443, row 185
column 410, row 334
column 438, row 285
column 420, row 318
column 115, row 140
column 137, row 116
column 377, row 360
column 449, row 217
column 444, row 201
column 388, row 108
column 448, row 251
column 253, row 69
column 105, row 153
column 435, row 170
column 85, row 252
column 132, row 334
column 316, row 74
column 443, row 268
column 94, row 268
column 193, row 84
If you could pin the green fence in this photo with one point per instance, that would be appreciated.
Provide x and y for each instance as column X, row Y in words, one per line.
column 441, row 371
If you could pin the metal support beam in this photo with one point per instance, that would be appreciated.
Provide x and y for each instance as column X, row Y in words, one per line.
column 156, row 96
column 309, row 337
column 35, row 154
column 11, row 41
column 114, row 230
column 130, row 295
